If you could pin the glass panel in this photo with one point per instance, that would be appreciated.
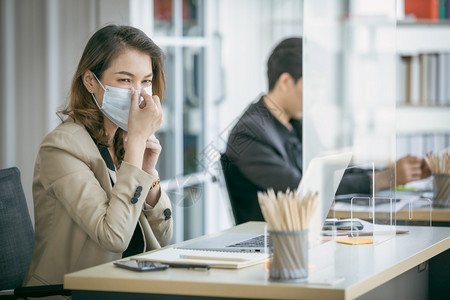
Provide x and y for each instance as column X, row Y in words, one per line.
column 193, row 112
column 349, row 92
column 349, row 81
column 193, row 17
column 163, row 18
column 166, row 135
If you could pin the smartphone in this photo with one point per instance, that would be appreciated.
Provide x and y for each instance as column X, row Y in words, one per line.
column 140, row 265
column 343, row 225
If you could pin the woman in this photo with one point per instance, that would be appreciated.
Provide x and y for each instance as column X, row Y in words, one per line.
column 96, row 191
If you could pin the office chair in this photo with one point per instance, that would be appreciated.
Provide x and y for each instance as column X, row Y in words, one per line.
column 220, row 178
column 16, row 241
column 224, row 170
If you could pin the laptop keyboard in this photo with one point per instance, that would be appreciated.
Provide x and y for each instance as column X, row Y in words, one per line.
column 256, row 242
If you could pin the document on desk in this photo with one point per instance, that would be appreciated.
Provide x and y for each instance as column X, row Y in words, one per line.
column 216, row 259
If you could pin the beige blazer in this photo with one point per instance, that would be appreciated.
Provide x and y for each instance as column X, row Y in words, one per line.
column 80, row 219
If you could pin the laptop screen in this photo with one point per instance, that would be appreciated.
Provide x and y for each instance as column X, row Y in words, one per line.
column 323, row 175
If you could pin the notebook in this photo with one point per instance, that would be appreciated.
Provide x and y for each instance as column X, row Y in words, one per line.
column 323, row 175
column 223, row 260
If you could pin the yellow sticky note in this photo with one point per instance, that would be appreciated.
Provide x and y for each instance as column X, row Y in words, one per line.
column 356, row 241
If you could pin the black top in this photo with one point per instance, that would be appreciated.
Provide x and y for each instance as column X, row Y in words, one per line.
column 136, row 244
column 262, row 153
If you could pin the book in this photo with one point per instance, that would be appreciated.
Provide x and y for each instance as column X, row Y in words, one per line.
column 403, row 145
column 415, row 80
column 448, row 9
column 424, row 79
column 447, row 80
column 441, row 78
column 402, row 79
column 215, row 259
column 422, row 9
column 443, row 9
column 417, row 145
column 432, row 79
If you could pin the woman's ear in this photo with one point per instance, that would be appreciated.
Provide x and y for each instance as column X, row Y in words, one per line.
column 89, row 81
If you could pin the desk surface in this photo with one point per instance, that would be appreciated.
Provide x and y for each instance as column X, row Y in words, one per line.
column 362, row 268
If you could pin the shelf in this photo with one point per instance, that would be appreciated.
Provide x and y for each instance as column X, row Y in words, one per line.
column 423, row 37
column 423, row 119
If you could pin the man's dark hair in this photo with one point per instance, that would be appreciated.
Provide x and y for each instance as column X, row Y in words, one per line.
column 286, row 57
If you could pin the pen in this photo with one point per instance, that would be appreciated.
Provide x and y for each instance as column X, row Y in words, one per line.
column 191, row 266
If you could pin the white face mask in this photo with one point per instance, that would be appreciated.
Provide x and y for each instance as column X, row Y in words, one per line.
column 117, row 102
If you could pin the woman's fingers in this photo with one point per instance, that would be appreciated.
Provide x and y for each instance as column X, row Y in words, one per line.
column 134, row 99
column 153, row 142
column 145, row 117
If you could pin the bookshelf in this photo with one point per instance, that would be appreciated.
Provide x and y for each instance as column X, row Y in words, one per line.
column 423, row 98
column 417, row 37
column 423, row 120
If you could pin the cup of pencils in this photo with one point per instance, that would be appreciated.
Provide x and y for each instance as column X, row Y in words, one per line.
column 440, row 168
column 288, row 217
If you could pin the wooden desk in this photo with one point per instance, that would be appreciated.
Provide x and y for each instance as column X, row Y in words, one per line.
column 362, row 269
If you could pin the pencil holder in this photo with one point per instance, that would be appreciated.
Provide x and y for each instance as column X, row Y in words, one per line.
column 441, row 189
column 290, row 256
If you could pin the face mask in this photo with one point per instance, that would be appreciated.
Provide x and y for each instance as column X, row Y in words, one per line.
column 117, row 102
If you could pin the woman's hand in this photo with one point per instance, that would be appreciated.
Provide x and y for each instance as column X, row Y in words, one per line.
column 145, row 117
column 151, row 154
column 144, row 120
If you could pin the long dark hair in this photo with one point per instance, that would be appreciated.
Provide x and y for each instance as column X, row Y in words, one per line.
column 102, row 48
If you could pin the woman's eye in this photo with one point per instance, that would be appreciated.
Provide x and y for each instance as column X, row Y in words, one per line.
column 125, row 80
column 146, row 83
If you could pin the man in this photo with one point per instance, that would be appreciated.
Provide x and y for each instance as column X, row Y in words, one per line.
column 264, row 149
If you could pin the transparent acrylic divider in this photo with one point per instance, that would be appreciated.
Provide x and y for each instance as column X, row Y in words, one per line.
column 380, row 224
column 376, row 214
column 362, row 205
column 384, row 218
column 417, row 212
column 388, row 217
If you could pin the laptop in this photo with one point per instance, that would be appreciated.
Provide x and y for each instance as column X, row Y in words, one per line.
column 323, row 175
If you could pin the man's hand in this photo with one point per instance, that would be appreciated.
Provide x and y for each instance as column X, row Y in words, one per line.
column 409, row 168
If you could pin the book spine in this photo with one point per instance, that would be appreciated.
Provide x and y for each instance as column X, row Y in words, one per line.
column 443, row 9
column 424, row 79
column 441, row 78
column 434, row 7
column 432, row 79
column 423, row 9
column 447, row 80
column 407, row 61
column 402, row 87
column 415, row 80
column 448, row 9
